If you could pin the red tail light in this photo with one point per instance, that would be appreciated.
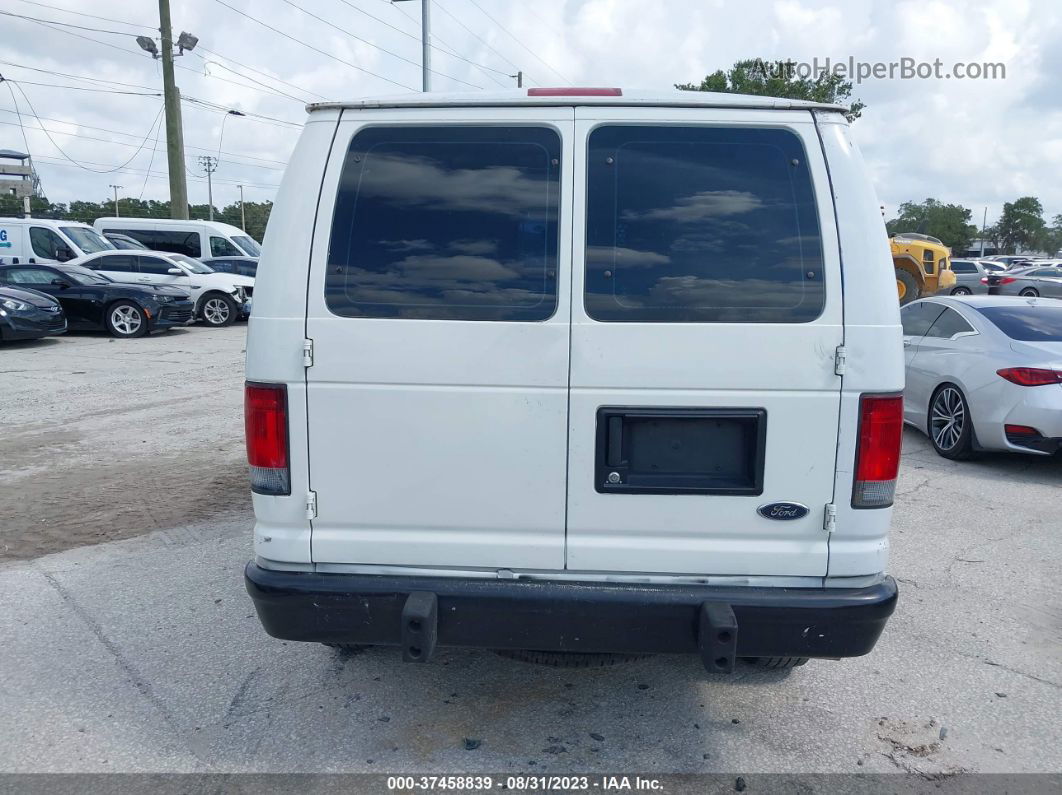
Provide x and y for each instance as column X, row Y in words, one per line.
column 575, row 92
column 265, row 410
column 1030, row 376
column 1007, row 279
column 984, row 280
column 1020, row 430
column 878, row 450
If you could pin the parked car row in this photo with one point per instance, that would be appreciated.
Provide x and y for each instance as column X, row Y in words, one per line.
column 982, row 276
column 62, row 274
column 40, row 300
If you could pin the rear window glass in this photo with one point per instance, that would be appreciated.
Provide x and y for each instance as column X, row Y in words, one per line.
column 701, row 224
column 963, row 266
column 448, row 223
column 179, row 242
column 1026, row 323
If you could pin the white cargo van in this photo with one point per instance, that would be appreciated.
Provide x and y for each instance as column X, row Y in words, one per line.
column 43, row 240
column 191, row 238
column 576, row 370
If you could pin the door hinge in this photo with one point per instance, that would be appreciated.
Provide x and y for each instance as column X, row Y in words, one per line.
column 311, row 505
column 829, row 522
column 840, row 359
column 307, row 353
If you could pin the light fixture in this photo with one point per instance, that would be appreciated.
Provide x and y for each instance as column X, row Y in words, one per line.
column 147, row 44
column 186, row 41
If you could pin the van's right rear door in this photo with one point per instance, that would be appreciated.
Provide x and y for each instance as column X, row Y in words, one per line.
column 706, row 315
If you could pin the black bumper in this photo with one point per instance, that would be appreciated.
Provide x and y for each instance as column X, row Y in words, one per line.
column 719, row 623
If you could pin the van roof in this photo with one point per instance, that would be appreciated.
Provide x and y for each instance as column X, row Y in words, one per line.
column 132, row 220
column 41, row 221
column 576, row 96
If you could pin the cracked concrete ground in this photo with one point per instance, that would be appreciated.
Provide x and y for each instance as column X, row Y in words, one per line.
column 144, row 654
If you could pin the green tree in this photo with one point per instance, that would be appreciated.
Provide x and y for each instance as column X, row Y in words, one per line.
column 1021, row 224
column 779, row 79
column 948, row 222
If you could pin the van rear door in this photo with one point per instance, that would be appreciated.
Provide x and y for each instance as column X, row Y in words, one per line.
column 707, row 313
column 438, row 309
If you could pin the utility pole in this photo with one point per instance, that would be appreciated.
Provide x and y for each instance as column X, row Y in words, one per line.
column 116, row 187
column 172, row 102
column 519, row 76
column 984, row 226
column 174, row 126
column 210, row 165
column 425, row 44
column 243, row 215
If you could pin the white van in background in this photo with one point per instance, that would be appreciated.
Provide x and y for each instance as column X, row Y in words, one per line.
column 43, row 240
column 191, row 238
column 576, row 370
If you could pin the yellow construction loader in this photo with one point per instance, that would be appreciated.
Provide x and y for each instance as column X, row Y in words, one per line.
column 923, row 265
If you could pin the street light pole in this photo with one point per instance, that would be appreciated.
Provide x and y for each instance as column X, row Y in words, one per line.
column 210, row 165
column 243, row 215
column 116, row 187
column 425, row 44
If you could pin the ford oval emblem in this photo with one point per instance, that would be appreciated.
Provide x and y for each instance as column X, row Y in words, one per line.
column 783, row 511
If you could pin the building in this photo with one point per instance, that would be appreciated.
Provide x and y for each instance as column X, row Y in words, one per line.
column 17, row 177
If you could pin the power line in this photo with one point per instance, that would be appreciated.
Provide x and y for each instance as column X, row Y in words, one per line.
column 270, row 89
column 475, row 35
column 130, row 135
column 213, row 106
column 65, row 24
column 315, row 49
column 450, row 51
column 377, row 46
column 76, row 77
column 82, row 136
column 33, row 111
column 86, row 88
column 137, row 55
column 514, row 38
column 53, row 161
column 258, row 71
column 83, row 14
column 22, row 127
column 151, row 161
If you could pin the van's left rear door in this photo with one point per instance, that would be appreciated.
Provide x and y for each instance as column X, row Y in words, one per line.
column 438, row 309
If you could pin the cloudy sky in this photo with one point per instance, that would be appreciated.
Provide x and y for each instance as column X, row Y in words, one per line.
column 974, row 142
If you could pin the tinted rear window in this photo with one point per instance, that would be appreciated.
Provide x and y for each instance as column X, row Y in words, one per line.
column 165, row 240
column 450, row 223
column 701, row 224
column 1027, row 323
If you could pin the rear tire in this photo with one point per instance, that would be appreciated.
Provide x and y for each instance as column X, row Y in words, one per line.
column 962, row 291
column 775, row 663
column 126, row 320
column 950, row 423
column 569, row 659
column 1030, row 292
column 218, row 310
column 911, row 290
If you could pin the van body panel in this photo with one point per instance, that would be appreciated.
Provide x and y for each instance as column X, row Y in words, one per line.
column 786, row 370
column 873, row 339
column 17, row 243
column 409, row 396
column 275, row 334
column 439, row 442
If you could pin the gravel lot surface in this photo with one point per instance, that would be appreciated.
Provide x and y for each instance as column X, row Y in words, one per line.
column 144, row 654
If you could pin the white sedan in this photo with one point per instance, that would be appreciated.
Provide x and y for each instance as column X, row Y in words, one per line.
column 984, row 373
column 220, row 298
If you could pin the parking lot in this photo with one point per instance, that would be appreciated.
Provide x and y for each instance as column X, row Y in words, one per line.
column 131, row 645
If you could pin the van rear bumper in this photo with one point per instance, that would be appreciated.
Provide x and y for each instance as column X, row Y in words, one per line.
column 720, row 623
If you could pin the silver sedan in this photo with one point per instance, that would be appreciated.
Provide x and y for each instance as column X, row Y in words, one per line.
column 984, row 373
column 1028, row 282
